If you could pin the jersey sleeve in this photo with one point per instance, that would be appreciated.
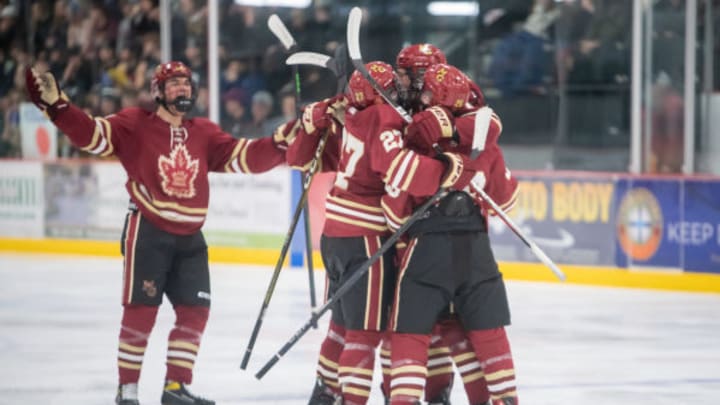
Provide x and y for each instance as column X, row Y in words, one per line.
column 227, row 154
column 301, row 150
column 102, row 136
column 402, row 169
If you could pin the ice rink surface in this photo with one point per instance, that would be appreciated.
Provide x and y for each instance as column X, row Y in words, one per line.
column 59, row 320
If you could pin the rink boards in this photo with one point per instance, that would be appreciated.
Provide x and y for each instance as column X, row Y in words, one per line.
column 602, row 229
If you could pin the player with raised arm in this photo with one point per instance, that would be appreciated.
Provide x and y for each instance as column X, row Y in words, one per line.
column 372, row 162
column 448, row 343
column 448, row 258
column 167, row 159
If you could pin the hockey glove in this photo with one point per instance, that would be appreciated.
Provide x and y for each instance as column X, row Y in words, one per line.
column 44, row 92
column 285, row 134
column 318, row 116
column 456, row 175
column 429, row 127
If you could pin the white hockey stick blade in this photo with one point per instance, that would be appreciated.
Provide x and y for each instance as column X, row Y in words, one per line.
column 310, row 58
column 281, row 32
column 353, row 33
column 480, row 130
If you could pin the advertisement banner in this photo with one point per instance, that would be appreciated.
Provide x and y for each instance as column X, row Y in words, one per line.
column 699, row 232
column 569, row 218
column 249, row 210
column 647, row 209
column 83, row 201
column 21, row 199
column 88, row 200
column 39, row 135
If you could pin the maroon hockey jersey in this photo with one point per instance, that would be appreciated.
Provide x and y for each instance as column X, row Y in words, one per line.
column 168, row 167
column 492, row 175
column 302, row 148
column 370, row 161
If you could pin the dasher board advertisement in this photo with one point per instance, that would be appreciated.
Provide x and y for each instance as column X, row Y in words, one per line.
column 21, row 199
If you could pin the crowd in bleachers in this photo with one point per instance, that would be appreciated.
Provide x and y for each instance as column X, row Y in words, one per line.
column 104, row 52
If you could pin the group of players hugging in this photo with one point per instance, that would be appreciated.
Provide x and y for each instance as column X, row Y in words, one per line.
column 435, row 300
column 438, row 298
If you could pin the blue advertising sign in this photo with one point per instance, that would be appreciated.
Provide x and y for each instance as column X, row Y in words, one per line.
column 569, row 218
column 646, row 209
column 699, row 231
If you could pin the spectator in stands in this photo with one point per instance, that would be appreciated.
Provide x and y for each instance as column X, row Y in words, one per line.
column 234, row 114
column 260, row 123
column 603, row 53
column 499, row 18
column 10, row 125
column 667, row 138
column 520, row 60
column 287, row 103
column 575, row 16
column 8, row 29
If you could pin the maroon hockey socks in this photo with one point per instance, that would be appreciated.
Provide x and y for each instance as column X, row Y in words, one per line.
column 409, row 359
column 493, row 351
column 184, row 342
column 137, row 322
column 330, row 351
column 356, row 365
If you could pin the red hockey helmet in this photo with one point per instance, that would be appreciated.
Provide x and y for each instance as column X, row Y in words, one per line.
column 361, row 92
column 419, row 56
column 166, row 71
column 445, row 85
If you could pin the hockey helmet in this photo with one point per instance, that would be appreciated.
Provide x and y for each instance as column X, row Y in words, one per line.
column 445, row 85
column 361, row 92
column 163, row 73
column 419, row 56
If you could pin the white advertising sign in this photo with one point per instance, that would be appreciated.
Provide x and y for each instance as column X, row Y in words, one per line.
column 249, row 210
column 21, row 199
column 38, row 134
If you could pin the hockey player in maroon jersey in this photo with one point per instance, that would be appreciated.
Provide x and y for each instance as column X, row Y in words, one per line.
column 372, row 162
column 448, row 257
column 167, row 159
column 448, row 343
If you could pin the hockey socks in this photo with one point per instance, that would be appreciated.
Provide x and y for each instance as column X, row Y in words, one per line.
column 184, row 342
column 137, row 323
column 439, row 370
column 409, row 371
column 463, row 356
column 493, row 351
column 356, row 365
column 330, row 352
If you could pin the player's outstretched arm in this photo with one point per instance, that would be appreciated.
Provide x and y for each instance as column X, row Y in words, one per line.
column 86, row 133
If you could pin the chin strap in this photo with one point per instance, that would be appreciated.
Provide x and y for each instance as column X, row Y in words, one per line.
column 182, row 104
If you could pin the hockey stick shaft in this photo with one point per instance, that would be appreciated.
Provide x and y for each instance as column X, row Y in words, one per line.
column 278, row 28
column 283, row 252
column 306, row 208
column 353, row 42
column 358, row 273
column 520, row 234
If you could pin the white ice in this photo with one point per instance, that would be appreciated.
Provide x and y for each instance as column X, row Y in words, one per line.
column 59, row 318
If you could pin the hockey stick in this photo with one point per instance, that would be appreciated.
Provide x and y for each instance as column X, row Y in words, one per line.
column 336, row 64
column 283, row 252
column 353, row 41
column 480, row 129
column 280, row 31
column 520, row 234
column 278, row 28
column 358, row 273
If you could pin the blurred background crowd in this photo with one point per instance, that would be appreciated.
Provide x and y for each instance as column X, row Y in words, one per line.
column 557, row 72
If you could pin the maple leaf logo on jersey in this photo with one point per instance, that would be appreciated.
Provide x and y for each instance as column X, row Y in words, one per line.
column 178, row 173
